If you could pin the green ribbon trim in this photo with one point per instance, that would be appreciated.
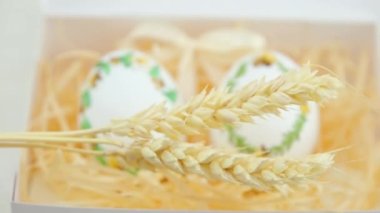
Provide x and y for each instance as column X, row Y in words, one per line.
column 238, row 140
column 102, row 160
column 242, row 70
column 134, row 171
column 282, row 67
column 289, row 138
column 86, row 98
column 85, row 123
column 104, row 67
column 126, row 59
column 154, row 72
column 171, row 94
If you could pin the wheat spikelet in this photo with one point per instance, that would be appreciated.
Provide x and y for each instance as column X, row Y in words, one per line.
column 261, row 173
column 217, row 108
column 205, row 111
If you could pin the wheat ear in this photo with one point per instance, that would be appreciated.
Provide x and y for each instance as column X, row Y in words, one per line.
column 209, row 110
column 261, row 173
column 217, row 108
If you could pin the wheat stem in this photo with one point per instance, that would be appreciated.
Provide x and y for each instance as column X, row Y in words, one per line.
column 30, row 138
column 50, row 146
column 72, row 133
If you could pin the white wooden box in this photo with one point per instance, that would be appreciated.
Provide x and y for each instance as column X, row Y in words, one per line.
column 92, row 24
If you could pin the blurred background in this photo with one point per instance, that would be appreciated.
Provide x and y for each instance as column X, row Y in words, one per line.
column 20, row 25
column 20, row 39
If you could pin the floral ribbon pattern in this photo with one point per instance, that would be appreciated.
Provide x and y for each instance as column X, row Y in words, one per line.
column 290, row 137
column 132, row 61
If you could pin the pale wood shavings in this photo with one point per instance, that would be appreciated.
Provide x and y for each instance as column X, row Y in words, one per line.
column 353, row 183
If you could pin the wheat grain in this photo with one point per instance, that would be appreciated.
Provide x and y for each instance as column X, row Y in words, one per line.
column 261, row 173
column 217, row 108
column 204, row 111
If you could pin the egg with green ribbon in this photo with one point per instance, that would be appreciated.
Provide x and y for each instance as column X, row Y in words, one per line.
column 294, row 132
column 122, row 84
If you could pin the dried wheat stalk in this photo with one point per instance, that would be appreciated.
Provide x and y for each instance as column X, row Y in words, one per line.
column 217, row 108
column 207, row 110
column 261, row 173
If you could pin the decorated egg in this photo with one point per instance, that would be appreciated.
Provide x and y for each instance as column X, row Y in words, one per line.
column 294, row 132
column 122, row 84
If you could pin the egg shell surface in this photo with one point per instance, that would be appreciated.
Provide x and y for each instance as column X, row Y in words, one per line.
column 122, row 84
column 293, row 133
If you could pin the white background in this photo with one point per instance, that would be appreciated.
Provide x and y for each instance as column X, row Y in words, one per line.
column 19, row 28
column 19, row 42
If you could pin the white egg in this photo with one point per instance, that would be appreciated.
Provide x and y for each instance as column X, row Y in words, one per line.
column 293, row 133
column 122, row 84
